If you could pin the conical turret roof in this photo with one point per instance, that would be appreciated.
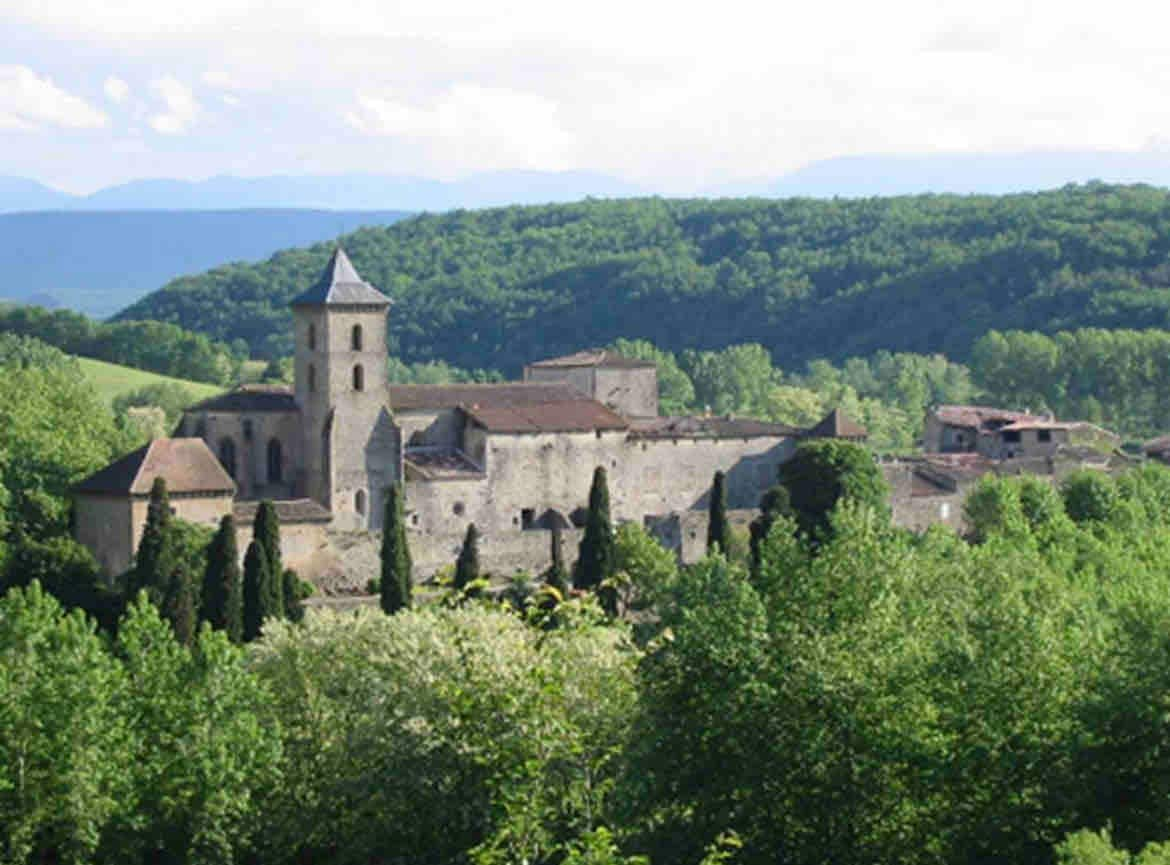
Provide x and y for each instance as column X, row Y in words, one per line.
column 341, row 285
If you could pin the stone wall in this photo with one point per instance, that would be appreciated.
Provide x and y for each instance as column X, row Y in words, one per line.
column 304, row 547
column 631, row 392
column 250, row 434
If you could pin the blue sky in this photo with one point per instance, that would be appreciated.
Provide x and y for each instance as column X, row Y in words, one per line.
column 674, row 96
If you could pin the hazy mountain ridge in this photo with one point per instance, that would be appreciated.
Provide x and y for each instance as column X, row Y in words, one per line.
column 327, row 192
column 97, row 263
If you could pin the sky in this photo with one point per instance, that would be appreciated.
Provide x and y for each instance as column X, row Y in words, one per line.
column 675, row 96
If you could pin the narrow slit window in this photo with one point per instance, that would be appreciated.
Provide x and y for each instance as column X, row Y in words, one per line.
column 359, row 378
column 355, row 338
column 359, row 502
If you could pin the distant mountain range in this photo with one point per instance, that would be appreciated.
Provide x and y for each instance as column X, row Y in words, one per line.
column 957, row 173
column 323, row 192
column 845, row 176
column 97, row 263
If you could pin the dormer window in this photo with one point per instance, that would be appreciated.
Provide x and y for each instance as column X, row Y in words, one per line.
column 355, row 338
column 359, row 378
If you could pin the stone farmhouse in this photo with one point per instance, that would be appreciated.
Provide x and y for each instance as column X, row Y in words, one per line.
column 516, row 459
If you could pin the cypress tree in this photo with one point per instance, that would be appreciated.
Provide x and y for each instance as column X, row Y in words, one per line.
column 294, row 610
column 223, row 599
column 396, row 563
column 151, row 564
column 467, row 566
column 595, row 561
column 717, row 527
column 774, row 504
column 266, row 530
column 255, row 577
column 556, row 576
column 178, row 604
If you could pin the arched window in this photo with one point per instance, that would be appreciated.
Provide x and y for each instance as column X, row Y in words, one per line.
column 359, row 502
column 275, row 462
column 312, row 378
column 359, row 378
column 227, row 456
column 355, row 338
column 312, row 337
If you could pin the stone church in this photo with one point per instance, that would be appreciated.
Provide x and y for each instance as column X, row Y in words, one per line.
column 514, row 458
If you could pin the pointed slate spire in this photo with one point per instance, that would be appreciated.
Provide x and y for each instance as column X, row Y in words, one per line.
column 341, row 285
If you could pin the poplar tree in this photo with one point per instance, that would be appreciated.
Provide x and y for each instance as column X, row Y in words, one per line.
column 223, row 585
column 396, row 563
column 152, row 563
column 717, row 527
column 467, row 565
column 266, row 530
column 595, row 561
column 557, row 577
column 256, row 576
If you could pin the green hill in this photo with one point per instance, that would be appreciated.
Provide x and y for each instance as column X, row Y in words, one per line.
column 806, row 278
column 111, row 380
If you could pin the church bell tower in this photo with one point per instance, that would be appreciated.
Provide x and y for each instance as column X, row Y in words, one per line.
column 351, row 446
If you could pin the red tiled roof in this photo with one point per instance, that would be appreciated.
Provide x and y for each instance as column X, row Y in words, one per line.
column 186, row 464
column 251, row 398
column 416, row 397
column 594, row 357
column 571, row 415
column 695, row 427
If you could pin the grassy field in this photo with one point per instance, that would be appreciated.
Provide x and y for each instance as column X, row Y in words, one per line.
column 111, row 380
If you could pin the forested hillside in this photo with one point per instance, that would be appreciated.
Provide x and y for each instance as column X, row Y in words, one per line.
column 804, row 278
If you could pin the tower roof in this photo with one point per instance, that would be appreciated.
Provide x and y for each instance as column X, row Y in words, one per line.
column 341, row 285
column 838, row 425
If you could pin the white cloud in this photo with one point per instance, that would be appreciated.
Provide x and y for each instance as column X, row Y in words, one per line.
column 470, row 127
column 28, row 102
column 181, row 108
column 116, row 89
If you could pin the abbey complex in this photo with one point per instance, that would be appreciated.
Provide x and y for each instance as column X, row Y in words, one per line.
column 515, row 459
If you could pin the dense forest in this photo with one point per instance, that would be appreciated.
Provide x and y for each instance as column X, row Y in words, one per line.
column 804, row 278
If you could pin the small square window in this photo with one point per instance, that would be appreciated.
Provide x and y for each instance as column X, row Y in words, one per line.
column 1044, row 435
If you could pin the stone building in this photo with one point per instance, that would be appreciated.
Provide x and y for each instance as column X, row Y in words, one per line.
column 999, row 434
column 110, row 505
column 515, row 458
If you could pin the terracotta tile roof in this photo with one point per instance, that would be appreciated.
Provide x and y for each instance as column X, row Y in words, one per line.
column 251, row 398
column 1016, row 426
column 415, row 397
column 594, row 357
column 838, row 425
column 571, row 415
column 186, row 464
column 340, row 285
column 288, row 511
column 978, row 415
column 688, row 427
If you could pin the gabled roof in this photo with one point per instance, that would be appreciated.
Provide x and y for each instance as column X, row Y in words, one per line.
column 578, row 414
column 838, row 425
column 598, row 357
column 423, row 397
column 186, row 464
column 340, row 285
column 251, row 398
